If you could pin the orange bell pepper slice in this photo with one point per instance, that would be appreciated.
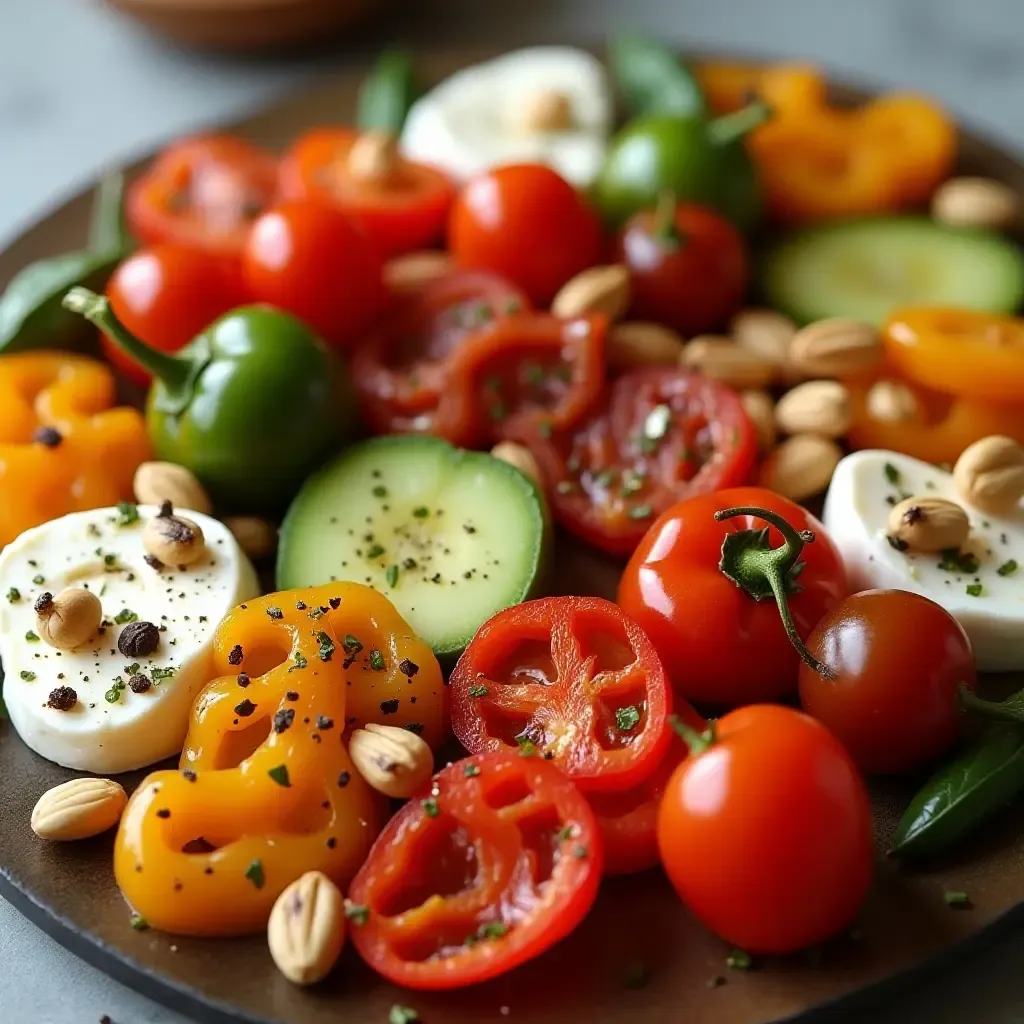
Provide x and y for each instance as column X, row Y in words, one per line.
column 959, row 351
column 266, row 789
column 789, row 89
column 63, row 448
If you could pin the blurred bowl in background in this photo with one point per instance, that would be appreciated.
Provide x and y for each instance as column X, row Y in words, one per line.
column 247, row 26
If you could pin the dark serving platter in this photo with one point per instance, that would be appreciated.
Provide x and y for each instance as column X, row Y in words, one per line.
column 906, row 929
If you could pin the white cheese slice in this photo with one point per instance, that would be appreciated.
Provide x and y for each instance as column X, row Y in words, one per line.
column 472, row 121
column 112, row 729
column 987, row 599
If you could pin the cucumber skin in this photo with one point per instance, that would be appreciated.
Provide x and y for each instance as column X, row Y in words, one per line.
column 447, row 655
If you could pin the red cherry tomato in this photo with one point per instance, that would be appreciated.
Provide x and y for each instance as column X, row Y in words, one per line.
column 688, row 267
column 896, row 662
column 403, row 210
column 574, row 680
column 315, row 262
column 166, row 295
column 720, row 644
column 526, row 223
column 202, row 192
column 501, row 861
column 661, row 434
column 766, row 834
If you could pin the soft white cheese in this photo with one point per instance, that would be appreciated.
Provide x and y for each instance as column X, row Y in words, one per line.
column 472, row 121
column 112, row 729
column 986, row 598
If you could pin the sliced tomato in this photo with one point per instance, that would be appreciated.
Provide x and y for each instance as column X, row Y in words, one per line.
column 404, row 210
column 572, row 679
column 501, row 861
column 661, row 435
column 401, row 369
column 202, row 192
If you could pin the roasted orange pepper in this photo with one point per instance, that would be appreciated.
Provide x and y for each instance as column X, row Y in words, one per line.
column 789, row 89
column 959, row 351
column 266, row 789
column 62, row 447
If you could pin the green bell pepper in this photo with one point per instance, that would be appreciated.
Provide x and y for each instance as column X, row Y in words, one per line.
column 252, row 405
column 696, row 159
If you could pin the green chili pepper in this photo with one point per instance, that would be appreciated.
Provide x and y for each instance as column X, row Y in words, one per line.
column 31, row 314
column 652, row 79
column 387, row 93
column 252, row 405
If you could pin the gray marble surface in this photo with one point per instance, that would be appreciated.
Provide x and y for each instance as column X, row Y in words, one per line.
column 81, row 90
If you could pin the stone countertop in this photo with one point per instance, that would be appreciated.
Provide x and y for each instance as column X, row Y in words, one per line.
column 82, row 90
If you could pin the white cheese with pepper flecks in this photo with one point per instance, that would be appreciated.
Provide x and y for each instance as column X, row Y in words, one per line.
column 105, row 725
column 981, row 584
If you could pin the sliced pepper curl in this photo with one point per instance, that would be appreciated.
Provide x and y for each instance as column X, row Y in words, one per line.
column 63, row 448
column 266, row 790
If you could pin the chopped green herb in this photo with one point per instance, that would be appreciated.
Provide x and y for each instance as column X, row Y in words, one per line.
column 162, row 673
column 402, row 1015
column 430, row 808
column 580, row 853
column 648, row 445
column 125, row 615
column 975, row 589
column 492, row 930
column 605, row 477
column 38, row 580
column 545, row 429
column 375, row 551
column 139, row 923
column 498, row 411
column 351, row 644
column 641, row 512
column 280, row 775
column 391, row 575
column 376, row 661
column 421, row 512
column 380, row 491
column 478, row 691
column 631, row 482
column 254, row 872
column 113, row 695
column 300, row 662
column 563, row 371
column 127, row 513
column 357, row 913
column 527, row 748
column 14, row 595
column 958, row 561
column 31, row 637
column 512, row 306
column 957, row 899
column 657, row 422
column 109, row 560
column 739, row 960
column 627, row 718
column 637, row 974
column 892, row 474
column 533, row 373
column 566, row 832
column 471, row 771
column 1008, row 568
column 27, row 676
column 326, row 645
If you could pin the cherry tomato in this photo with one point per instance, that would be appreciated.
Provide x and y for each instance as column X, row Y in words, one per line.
column 166, row 295
column 316, row 263
column 765, row 831
column 525, row 222
column 498, row 863
column 721, row 645
column 896, row 661
column 402, row 208
column 661, row 434
column 202, row 192
column 688, row 267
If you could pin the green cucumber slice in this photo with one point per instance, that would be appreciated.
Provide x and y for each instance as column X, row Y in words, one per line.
column 449, row 536
column 867, row 268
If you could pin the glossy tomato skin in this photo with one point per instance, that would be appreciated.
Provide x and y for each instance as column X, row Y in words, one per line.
column 720, row 646
column 767, row 835
column 897, row 660
column 316, row 263
column 691, row 275
column 526, row 223
column 166, row 295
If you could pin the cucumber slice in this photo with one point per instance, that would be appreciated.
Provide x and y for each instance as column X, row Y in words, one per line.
column 867, row 268
column 449, row 536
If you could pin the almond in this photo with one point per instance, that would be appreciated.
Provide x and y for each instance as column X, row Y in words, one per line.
column 724, row 360
column 765, row 332
column 256, row 537
column 546, row 110
column 393, row 761
column 838, row 347
column 306, row 929
column 889, row 401
column 172, row 539
column 801, row 466
column 990, row 474
column 157, row 482
column 521, row 457
column 603, row 290
column 70, row 619
column 78, row 809
column 415, row 270
column 761, row 410
column 971, row 202
column 927, row 524
column 636, row 343
column 816, row 407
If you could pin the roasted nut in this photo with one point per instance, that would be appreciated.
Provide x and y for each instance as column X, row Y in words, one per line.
column 172, row 539
column 393, row 761
column 636, row 343
column 728, row 362
column 157, row 482
column 373, row 156
column 546, row 110
column 415, row 270
column 761, row 410
column 990, row 474
column 970, row 202
column 927, row 524
column 70, row 619
column 306, row 929
column 521, row 457
column 801, row 466
column 765, row 332
column 256, row 537
column 816, row 407
column 78, row 809
column 889, row 401
column 837, row 347
column 603, row 290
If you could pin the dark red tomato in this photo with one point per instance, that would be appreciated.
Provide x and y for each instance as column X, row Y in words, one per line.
column 202, row 192
column 499, row 863
column 166, row 295
column 896, row 661
column 315, row 262
column 661, row 434
column 571, row 679
column 720, row 644
column 401, row 204
column 766, row 834
column 402, row 368
column 526, row 223
column 688, row 267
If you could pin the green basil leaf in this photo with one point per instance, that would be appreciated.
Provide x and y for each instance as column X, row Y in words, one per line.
column 652, row 79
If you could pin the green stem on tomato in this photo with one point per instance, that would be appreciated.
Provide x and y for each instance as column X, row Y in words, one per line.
column 1009, row 710
column 762, row 571
column 665, row 228
column 697, row 742
column 730, row 128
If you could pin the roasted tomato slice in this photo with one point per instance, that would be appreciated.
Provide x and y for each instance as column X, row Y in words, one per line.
column 403, row 206
column 501, row 861
column 662, row 435
column 202, row 192
column 401, row 370
column 572, row 679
